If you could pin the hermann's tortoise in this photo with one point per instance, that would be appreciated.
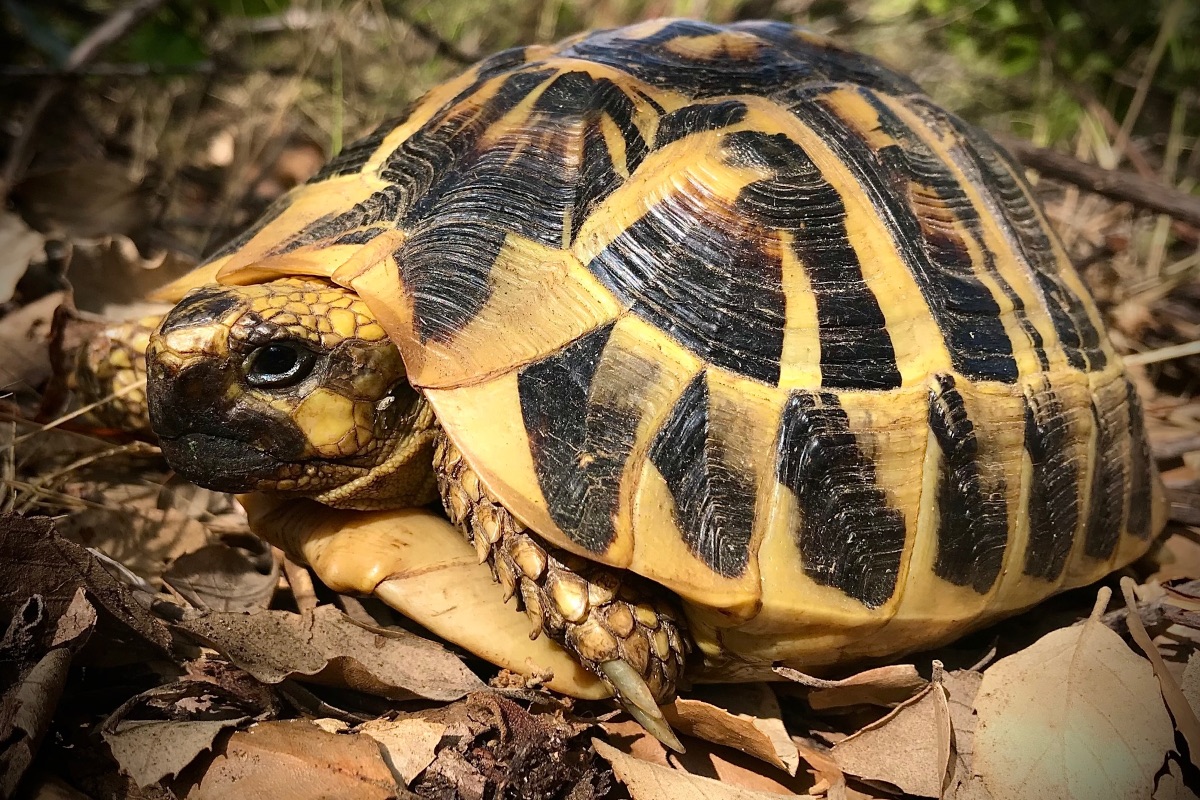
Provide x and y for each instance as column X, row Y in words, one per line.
column 724, row 346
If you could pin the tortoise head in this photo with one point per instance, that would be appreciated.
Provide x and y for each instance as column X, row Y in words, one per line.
column 290, row 387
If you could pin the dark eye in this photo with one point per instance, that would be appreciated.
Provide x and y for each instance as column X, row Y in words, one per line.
column 277, row 365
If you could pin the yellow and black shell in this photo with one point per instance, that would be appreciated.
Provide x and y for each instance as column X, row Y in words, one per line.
column 749, row 315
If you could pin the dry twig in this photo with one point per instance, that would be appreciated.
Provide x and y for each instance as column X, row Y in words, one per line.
column 1118, row 185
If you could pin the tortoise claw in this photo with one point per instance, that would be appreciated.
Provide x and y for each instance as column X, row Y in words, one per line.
column 635, row 695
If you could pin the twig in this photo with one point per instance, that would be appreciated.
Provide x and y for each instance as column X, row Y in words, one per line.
column 1175, row 448
column 1115, row 184
column 1164, row 353
column 104, row 70
column 111, row 30
column 443, row 47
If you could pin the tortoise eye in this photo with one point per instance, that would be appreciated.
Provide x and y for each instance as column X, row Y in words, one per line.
column 278, row 365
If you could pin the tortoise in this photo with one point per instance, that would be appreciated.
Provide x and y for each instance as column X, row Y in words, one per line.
column 724, row 346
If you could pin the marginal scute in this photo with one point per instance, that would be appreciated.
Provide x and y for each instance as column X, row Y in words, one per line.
column 972, row 531
column 849, row 536
column 714, row 499
column 1052, row 447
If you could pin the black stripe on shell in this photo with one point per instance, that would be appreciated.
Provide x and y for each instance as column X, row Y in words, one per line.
column 706, row 275
column 579, row 447
column 574, row 102
column 828, row 62
column 651, row 60
column 424, row 160
column 419, row 161
column 697, row 119
column 1107, row 498
column 987, row 164
column 856, row 348
column 972, row 531
column 553, row 166
column 849, row 536
column 778, row 61
column 1140, row 467
column 714, row 497
column 943, row 235
column 381, row 207
column 1054, row 487
column 964, row 309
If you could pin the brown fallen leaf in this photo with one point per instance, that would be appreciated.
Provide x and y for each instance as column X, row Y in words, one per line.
column 86, row 198
column 23, row 337
column 127, row 524
column 961, row 687
column 297, row 760
column 909, row 748
column 409, row 745
column 54, row 569
column 151, row 750
column 1185, row 718
column 646, row 781
column 111, row 277
column 38, row 676
column 1190, row 685
column 703, row 758
column 883, row 686
column 19, row 245
column 233, row 574
column 1077, row 715
column 745, row 717
column 327, row 647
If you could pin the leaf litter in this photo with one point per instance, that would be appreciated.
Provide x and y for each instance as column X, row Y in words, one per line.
column 151, row 651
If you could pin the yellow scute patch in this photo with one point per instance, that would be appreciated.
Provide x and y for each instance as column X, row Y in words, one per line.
column 326, row 418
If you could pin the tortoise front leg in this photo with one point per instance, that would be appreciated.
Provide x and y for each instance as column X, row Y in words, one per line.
column 419, row 564
column 602, row 615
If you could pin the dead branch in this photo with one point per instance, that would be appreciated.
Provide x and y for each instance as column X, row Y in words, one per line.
column 89, row 48
column 1120, row 185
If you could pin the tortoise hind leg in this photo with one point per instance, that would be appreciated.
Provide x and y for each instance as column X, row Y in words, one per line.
column 602, row 615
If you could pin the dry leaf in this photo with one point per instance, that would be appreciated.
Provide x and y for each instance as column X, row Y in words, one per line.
column 24, row 333
column 299, row 761
column 703, row 758
column 745, row 717
column 883, row 686
column 1185, row 718
column 327, row 647
column 132, row 529
column 26, row 712
column 1171, row 785
column 1077, row 715
column 909, row 748
column 408, row 745
column 234, row 574
column 1190, row 685
column 646, row 781
column 110, row 276
column 19, row 245
column 150, row 750
column 84, row 199
column 55, row 569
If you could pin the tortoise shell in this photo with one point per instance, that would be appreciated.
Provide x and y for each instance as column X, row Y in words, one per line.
column 749, row 315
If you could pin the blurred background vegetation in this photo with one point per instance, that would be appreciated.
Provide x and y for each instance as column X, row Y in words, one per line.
column 194, row 119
